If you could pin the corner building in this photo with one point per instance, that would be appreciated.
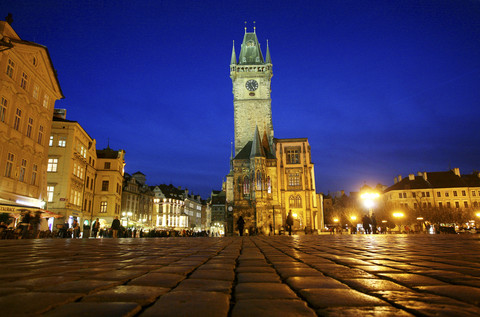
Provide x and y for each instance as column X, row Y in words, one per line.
column 28, row 90
column 268, row 177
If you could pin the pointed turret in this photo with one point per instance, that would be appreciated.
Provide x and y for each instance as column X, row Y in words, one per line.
column 268, row 59
column 250, row 53
column 257, row 148
column 233, row 60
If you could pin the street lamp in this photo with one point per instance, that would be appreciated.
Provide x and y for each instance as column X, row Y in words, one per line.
column 368, row 199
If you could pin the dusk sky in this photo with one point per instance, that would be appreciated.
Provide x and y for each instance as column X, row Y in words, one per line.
column 380, row 88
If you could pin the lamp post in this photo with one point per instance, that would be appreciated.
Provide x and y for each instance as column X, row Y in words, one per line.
column 368, row 199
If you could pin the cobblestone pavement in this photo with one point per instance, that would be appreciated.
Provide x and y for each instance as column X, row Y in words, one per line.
column 341, row 275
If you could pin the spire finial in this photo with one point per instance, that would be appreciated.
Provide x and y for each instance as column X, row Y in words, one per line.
column 245, row 27
column 254, row 27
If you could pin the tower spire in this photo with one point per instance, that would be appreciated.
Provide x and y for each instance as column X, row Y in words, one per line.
column 254, row 27
column 268, row 59
column 245, row 27
column 233, row 60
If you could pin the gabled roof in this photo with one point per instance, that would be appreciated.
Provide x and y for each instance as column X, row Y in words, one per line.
column 107, row 153
column 257, row 148
column 250, row 53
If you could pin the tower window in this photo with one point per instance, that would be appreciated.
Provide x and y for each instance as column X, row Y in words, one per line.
column 293, row 155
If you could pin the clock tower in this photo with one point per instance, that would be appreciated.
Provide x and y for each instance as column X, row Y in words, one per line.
column 251, row 80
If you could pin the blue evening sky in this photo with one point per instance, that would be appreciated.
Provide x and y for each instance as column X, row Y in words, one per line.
column 380, row 88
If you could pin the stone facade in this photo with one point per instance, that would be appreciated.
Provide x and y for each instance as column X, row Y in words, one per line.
column 28, row 90
column 264, row 182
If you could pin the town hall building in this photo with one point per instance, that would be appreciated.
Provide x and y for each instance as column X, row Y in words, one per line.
column 268, row 177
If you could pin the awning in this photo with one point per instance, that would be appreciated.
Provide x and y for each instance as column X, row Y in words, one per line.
column 17, row 210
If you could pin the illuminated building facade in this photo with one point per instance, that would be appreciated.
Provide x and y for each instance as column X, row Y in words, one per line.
column 448, row 189
column 71, row 169
column 108, row 185
column 269, row 177
column 137, row 201
column 169, row 208
column 28, row 90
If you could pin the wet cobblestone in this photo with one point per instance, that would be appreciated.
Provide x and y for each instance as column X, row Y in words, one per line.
column 340, row 275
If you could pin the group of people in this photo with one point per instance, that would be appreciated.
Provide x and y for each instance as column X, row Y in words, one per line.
column 289, row 224
column 370, row 224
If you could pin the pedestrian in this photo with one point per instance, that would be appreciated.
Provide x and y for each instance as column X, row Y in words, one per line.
column 271, row 229
column 95, row 227
column 75, row 229
column 366, row 224
column 115, row 227
column 240, row 225
column 24, row 224
column 35, row 222
column 289, row 222
column 374, row 224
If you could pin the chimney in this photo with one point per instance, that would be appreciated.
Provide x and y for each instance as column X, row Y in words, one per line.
column 411, row 177
column 395, row 180
column 399, row 178
column 342, row 192
column 424, row 174
column 419, row 174
column 456, row 171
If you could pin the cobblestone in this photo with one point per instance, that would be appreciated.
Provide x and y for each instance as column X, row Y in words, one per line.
column 326, row 275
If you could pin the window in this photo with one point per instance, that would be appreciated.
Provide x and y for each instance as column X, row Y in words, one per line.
column 119, row 189
column 246, row 185
column 404, row 195
column 259, row 180
column 439, row 194
column 40, row 135
column 23, row 82
column 294, row 180
column 475, row 204
column 447, row 194
column 465, row 204
column 75, row 197
column 10, row 68
column 415, row 205
column 474, row 193
column 52, row 165
column 46, row 99
column 34, row 174
column 464, row 193
column 9, row 166
column 457, row 204
column 23, row 167
column 18, row 117
column 106, row 165
column 293, row 156
column 429, row 205
column 454, row 193
column 428, row 194
column 440, row 204
column 423, row 194
column 50, row 190
column 269, row 185
column 295, row 201
column 399, row 195
column 50, row 142
column 83, row 151
column 62, row 141
column 414, row 195
column 3, row 109
column 103, row 206
column 105, row 186
column 35, row 91
column 29, row 127
column 449, row 205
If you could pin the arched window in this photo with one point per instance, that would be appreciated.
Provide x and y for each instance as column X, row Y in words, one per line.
column 259, row 180
column 246, row 186
column 295, row 201
column 269, row 185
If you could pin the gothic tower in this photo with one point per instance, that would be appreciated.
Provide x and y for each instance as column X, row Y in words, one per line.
column 251, row 80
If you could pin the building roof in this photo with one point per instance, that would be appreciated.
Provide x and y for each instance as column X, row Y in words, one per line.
column 107, row 153
column 250, row 53
column 446, row 179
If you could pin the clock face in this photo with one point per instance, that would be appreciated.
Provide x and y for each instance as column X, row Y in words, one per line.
column 251, row 85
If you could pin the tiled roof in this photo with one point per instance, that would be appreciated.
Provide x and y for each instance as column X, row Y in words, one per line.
column 446, row 179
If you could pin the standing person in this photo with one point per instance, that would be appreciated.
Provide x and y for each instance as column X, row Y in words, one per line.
column 374, row 224
column 35, row 222
column 115, row 227
column 366, row 224
column 75, row 229
column 24, row 224
column 240, row 225
column 289, row 222
column 95, row 227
